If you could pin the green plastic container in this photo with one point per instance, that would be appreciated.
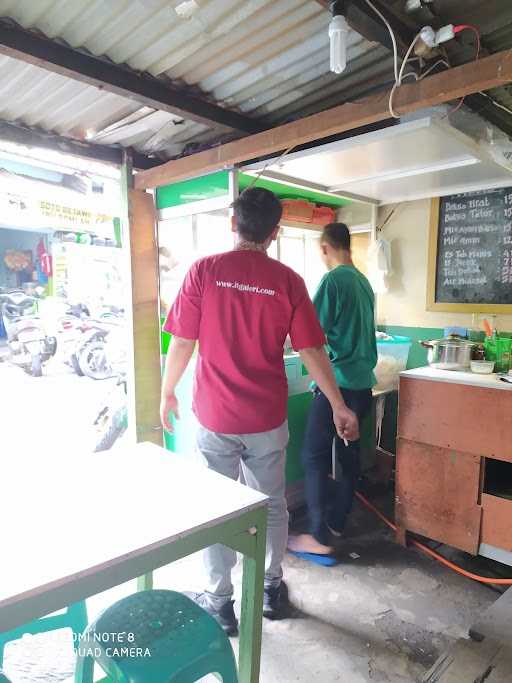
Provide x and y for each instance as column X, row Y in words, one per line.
column 499, row 349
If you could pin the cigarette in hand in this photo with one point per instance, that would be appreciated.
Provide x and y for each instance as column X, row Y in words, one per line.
column 345, row 442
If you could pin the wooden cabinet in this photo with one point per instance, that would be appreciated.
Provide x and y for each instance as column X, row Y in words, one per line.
column 448, row 432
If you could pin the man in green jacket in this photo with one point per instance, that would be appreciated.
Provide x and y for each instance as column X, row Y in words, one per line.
column 345, row 304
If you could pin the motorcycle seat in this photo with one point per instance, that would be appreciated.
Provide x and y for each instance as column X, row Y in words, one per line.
column 17, row 309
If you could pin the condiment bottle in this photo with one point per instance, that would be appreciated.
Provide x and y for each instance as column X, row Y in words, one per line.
column 479, row 352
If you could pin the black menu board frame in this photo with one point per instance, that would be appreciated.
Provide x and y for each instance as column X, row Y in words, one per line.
column 438, row 231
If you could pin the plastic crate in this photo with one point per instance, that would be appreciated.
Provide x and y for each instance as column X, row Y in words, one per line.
column 322, row 215
column 298, row 210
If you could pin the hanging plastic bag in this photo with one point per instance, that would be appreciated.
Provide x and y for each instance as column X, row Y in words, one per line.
column 379, row 265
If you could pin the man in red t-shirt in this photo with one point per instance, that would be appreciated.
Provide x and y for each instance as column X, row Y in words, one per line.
column 240, row 306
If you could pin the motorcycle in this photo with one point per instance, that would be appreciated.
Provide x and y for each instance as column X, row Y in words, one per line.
column 111, row 312
column 91, row 346
column 29, row 345
column 112, row 420
column 70, row 326
column 101, row 349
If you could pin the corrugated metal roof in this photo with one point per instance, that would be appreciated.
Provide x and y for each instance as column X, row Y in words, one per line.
column 265, row 58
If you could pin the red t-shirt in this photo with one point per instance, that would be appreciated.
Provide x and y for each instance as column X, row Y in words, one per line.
column 241, row 305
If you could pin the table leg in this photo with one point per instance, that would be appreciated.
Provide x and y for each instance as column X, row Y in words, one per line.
column 252, row 604
column 145, row 582
column 401, row 536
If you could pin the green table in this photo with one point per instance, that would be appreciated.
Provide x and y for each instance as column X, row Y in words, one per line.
column 146, row 508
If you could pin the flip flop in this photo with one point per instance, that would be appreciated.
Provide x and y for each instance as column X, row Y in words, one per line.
column 322, row 560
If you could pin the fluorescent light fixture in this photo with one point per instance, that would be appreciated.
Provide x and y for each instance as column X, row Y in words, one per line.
column 458, row 162
column 338, row 33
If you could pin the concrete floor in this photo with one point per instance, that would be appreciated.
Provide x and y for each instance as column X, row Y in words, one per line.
column 381, row 617
column 54, row 412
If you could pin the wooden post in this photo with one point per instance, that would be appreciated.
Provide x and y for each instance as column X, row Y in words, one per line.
column 140, row 233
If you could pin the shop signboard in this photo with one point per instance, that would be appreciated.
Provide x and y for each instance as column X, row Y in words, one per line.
column 38, row 214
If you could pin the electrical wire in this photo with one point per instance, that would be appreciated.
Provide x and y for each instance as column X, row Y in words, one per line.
column 456, row 30
column 393, row 90
column 430, row 69
column 495, row 103
column 470, row 27
column 432, row 553
column 267, row 164
column 391, row 33
column 401, row 76
column 406, row 57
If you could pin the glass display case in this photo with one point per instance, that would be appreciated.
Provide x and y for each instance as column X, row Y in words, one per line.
column 184, row 239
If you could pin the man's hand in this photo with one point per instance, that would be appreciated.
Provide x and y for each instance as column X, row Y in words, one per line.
column 168, row 406
column 319, row 366
column 346, row 423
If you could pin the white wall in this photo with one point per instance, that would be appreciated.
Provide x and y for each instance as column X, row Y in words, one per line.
column 405, row 303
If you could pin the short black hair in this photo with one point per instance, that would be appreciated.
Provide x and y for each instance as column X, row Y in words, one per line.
column 257, row 212
column 337, row 235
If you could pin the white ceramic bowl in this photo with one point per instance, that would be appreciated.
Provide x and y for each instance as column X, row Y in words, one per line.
column 482, row 367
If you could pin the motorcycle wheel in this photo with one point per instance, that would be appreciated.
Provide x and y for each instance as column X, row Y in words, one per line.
column 93, row 361
column 36, row 367
column 76, row 365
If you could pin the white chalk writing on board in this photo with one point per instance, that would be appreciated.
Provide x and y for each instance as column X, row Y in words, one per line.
column 474, row 250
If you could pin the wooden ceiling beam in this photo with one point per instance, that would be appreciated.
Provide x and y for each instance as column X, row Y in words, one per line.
column 33, row 48
column 490, row 72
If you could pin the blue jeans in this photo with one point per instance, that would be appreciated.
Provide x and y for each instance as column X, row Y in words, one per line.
column 329, row 501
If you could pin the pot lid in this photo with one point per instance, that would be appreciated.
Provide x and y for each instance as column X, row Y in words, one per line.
column 453, row 341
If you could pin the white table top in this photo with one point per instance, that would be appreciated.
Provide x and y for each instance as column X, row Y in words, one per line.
column 78, row 515
column 455, row 377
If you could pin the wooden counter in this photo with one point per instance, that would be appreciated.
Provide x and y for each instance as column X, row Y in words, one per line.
column 454, row 437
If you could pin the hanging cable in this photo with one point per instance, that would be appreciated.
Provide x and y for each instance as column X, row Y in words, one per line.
column 267, row 164
column 401, row 76
column 431, row 68
column 391, row 33
column 456, row 30
column 470, row 27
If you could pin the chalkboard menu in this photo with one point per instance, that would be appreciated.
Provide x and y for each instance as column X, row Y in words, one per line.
column 471, row 251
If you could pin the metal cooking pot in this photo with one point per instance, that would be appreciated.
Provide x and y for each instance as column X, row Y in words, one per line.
column 449, row 354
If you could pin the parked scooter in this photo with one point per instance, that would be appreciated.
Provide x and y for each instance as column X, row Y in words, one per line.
column 112, row 419
column 29, row 345
column 111, row 312
column 70, row 327
column 94, row 347
column 101, row 350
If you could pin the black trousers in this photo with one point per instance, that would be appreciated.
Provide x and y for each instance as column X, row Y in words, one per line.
column 329, row 501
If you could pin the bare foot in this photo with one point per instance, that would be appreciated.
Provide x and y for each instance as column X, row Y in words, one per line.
column 305, row 543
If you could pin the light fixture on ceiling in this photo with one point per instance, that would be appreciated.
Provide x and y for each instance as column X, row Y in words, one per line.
column 338, row 33
column 399, row 174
